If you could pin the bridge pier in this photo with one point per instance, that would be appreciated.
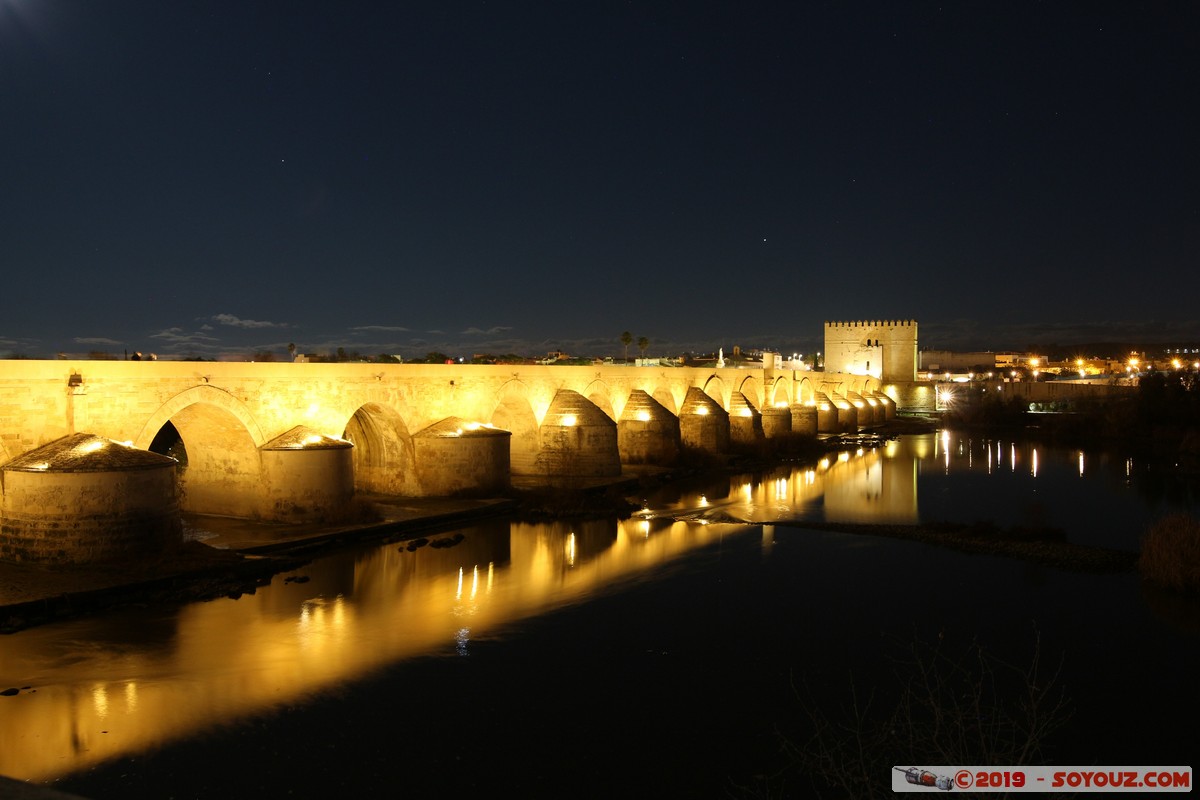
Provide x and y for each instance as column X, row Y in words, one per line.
column 776, row 421
column 306, row 477
column 83, row 499
column 804, row 418
column 745, row 421
column 827, row 415
column 457, row 457
column 647, row 432
column 577, row 439
column 703, row 423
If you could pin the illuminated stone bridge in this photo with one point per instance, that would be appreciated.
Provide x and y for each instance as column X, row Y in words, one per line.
column 287, row 440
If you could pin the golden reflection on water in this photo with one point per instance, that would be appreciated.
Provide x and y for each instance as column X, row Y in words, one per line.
column 877, row 485
column 119, row 684
column 114, row 686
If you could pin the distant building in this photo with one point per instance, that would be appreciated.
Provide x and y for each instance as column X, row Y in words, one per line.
column 884, row 349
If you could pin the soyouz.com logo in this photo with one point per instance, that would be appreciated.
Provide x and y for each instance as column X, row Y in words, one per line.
column 1042, row 779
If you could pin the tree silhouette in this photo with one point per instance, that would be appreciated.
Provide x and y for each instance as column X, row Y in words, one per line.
column 626, row 339
column 643, row 343
column 292, row 350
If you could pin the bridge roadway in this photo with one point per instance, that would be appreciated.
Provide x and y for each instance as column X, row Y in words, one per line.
column 226, row 412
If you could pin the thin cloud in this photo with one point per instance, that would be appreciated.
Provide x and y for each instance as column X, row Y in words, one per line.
column 178, row 338
column 379, row 329
column 95, row 340
column 238, row 322
column 493, row 331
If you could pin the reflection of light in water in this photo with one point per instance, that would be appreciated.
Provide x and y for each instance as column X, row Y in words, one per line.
column 1034, row 466
column 843, row 457
column 100, row 700
column 474, row 581
column 571, row 549
column 1081, row 463
column 703, row 501
column 644, row 526
column 226, row 659
column 810, row 476
column 461, row 637
column 1012, row 457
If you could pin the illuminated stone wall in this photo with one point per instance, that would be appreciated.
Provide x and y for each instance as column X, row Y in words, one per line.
column 225, row 412
column 883, row 349
column 76, row 501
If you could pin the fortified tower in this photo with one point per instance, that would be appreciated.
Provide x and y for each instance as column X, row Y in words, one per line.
column 883, row 349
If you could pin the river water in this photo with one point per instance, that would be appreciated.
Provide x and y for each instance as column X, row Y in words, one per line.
column 659, row 655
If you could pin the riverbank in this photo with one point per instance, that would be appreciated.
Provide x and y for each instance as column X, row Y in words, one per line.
column 222, row 557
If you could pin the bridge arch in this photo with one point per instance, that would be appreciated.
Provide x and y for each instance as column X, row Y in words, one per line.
column 714, row 387
column 668, row 400
column 220, row 437
column 208, row 395
column 514, row 413
column 806, row 392
column 383, row 456
column 778, row 393
column 601, row 395
column 751, row 389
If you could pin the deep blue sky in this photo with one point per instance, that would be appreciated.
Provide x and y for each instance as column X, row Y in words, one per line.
column 220, row 177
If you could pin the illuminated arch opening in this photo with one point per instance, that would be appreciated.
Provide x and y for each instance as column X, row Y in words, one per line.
column 220, row 469
column 667, row 399
column 515, row 414
column 714, row 387
column 383, row 450
column 751, row 388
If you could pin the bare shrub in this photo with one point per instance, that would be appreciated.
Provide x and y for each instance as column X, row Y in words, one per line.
column 968, row 707
column 1171, row 553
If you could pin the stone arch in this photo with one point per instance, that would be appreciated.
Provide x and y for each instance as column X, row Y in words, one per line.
column 778, row 395
column 806, row 392
column 752, row 390
column 664, row 396
column 832, row 387
column 221, row 439
column 383, row 450
column 514, row 413
column 600, row 395
column 209, row 395
column 714, row 387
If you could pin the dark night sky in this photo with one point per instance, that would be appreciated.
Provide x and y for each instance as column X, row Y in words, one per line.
column 208, row 178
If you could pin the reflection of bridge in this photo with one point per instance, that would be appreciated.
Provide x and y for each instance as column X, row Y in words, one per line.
column 415, row 429
column 216, row 662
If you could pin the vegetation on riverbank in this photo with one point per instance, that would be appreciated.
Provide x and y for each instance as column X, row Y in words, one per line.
column 944, row 703
column 1171, row 553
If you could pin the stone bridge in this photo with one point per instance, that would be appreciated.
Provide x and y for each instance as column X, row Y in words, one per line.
column 253, row 433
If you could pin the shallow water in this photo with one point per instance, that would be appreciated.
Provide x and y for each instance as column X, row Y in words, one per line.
column 647, row 656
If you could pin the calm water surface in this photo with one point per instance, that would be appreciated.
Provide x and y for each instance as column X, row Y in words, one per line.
column 651, row 656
